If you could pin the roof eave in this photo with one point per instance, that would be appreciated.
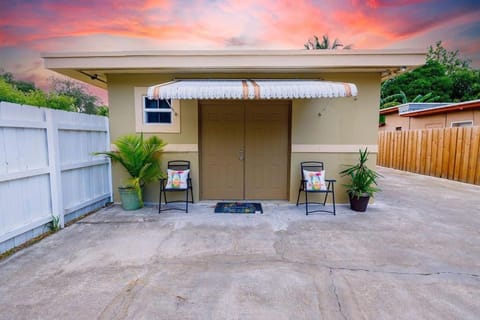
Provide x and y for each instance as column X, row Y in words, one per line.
column 198, row 61
column 466, row 105
column 389, row 110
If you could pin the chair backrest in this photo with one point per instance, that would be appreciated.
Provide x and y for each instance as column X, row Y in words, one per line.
column 311, row 166
column 178, row 165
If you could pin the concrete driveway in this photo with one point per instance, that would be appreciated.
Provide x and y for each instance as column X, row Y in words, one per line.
column 414, row 255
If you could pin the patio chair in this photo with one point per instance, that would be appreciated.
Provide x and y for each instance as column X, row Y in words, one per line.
column 178, row 180
column 313, row 181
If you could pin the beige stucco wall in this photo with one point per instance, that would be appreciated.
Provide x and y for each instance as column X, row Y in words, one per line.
column 427, row 122
column 330, row 124
column 122, row 121
column 443, row 120
column 394, row 120
column 465, row 115
column 337, row 126
column 440, row 120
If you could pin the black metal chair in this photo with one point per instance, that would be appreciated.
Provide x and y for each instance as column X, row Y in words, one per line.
column 177, row 165
column 315, row 167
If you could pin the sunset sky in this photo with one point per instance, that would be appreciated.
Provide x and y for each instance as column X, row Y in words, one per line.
column 29, row 27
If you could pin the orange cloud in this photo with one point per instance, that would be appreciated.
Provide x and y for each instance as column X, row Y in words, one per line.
column 266, row 23
column 91, row 25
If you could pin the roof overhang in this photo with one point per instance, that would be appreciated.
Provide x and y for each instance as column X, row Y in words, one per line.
column 389, row 110
column 466, row 105
column 93, row 67
column 248, row 89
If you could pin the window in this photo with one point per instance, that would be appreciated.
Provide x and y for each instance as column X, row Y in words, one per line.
column 467, row 123
column 157, row 111
column 155, row 116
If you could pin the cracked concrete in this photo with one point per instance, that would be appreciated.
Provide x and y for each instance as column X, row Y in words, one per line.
column 414, row 255
column 334, row 289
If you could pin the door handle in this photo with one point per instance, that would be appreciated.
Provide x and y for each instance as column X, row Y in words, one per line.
column 241, row 155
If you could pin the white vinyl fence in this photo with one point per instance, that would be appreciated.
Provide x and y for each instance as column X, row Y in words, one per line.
column 47, row 169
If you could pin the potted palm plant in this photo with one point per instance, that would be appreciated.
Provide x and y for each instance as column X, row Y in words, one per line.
column 363, row 182
column 141, row 159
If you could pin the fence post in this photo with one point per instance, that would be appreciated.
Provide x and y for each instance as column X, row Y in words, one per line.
column 56, row 193
column 110, row 179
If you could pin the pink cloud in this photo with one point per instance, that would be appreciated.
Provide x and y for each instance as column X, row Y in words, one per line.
column 391, row 3
column 89, row 25
column 260, row 23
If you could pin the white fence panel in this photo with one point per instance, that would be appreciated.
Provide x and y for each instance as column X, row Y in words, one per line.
column 47, row 168
column 24, row 202
column 85, row 176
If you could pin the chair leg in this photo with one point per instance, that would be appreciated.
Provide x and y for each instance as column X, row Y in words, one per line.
column 306, row 202
column 160, row 199
column 165, row 196
column 298, row 196
column 186, row 201
column 160, row 203
column 333, row 197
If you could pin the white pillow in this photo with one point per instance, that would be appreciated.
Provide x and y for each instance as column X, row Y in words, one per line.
column 315, row 180
column 177, row 179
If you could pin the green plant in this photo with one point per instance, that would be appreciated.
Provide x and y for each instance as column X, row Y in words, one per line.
column 55, row 223
column 316, row 44
column 363, row 179
column 140, row 157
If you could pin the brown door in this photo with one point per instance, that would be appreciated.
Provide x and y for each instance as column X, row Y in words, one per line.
column 222, row 134
column 244, row 150
column 266, row 150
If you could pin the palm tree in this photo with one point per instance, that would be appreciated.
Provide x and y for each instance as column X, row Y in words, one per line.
column 140, row 157
column 316, row 44
column 401, row 98
column 393, row 100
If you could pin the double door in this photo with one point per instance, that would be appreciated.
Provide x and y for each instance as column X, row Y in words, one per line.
column 244, row 149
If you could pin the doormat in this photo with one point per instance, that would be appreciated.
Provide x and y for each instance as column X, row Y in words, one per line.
column 238, row 207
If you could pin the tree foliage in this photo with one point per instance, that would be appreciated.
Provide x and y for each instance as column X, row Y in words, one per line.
column 428, row 80
column 24, row 86
column 66, row 95
column 445, row 77
column 84, row 102
column 103, row 111
column 449, row 59
column 326, row 43
column 36, row 97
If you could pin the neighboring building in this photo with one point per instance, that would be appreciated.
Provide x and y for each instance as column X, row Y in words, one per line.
column 412, row 116
column 248, row 145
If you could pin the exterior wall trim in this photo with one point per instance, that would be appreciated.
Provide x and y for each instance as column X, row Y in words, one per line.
column 140, row 126
column 333, row 148
column 181, row 148
column 94, row 67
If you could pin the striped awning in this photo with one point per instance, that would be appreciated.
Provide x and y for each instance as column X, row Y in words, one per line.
column 251, row 89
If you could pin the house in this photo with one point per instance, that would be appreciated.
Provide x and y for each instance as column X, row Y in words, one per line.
column 245, row 119
column 412, row 116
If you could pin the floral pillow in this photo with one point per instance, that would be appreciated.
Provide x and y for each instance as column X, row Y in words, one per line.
column 315, row 180
column 177, row 179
